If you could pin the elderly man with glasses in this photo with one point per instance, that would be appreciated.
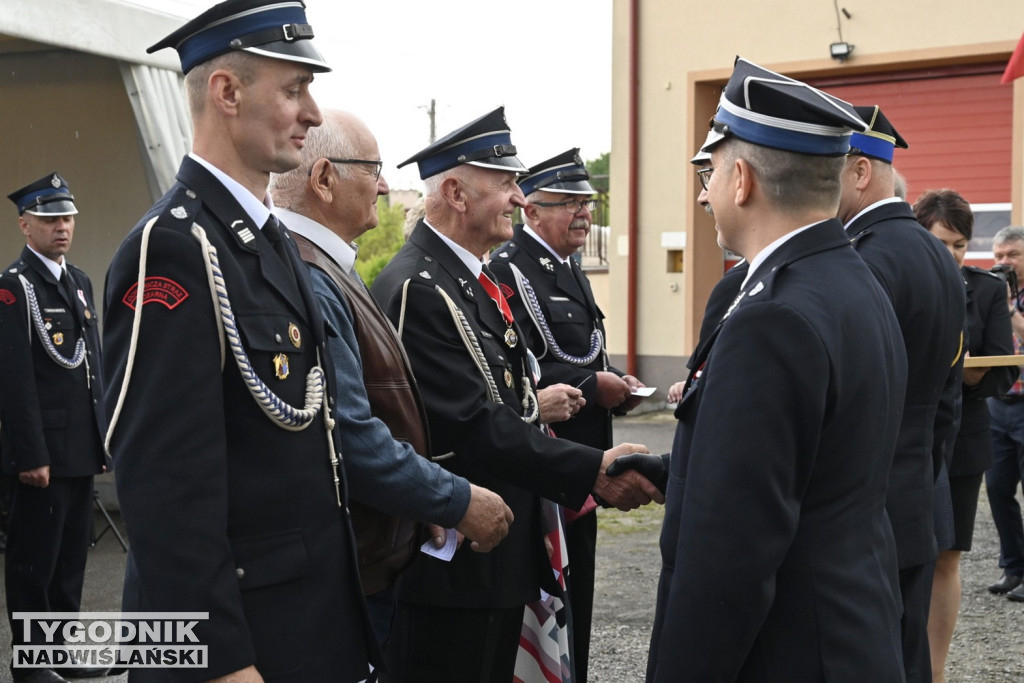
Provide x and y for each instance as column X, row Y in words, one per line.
column 328, row 202
column 554, row 304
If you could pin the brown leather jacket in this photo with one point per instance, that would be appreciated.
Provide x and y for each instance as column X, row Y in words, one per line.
column 386, row 543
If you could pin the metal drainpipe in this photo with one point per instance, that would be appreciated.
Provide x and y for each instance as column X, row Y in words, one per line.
column 633, row 185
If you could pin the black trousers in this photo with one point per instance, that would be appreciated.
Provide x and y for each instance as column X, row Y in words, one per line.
column 452, row 645
column 47, row 546
column 916, row 590
column 581, row 542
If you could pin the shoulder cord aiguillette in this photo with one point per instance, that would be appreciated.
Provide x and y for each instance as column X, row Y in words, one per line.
column 44, row 336
column 537, row 315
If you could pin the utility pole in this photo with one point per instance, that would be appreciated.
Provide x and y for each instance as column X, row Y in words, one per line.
column 432, row 113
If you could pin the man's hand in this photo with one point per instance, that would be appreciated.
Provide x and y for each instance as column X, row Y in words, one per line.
column 487, row 519
column 675, row 392
column 972, row 376
column 630, row 489
column 559, row 402
column 631, row 401
column 38, row 477
column 247, row 675
column 653, row 467
column 612, row 390
column 439, row 536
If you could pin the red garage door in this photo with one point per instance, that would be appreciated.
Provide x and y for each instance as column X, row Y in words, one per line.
column 958, row 122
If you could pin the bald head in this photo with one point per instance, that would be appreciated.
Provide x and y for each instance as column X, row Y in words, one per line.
column 340, row 196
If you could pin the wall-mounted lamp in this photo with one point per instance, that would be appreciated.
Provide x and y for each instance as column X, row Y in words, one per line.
column 840, row 51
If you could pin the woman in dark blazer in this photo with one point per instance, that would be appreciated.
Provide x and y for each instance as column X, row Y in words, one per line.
column 948, row 216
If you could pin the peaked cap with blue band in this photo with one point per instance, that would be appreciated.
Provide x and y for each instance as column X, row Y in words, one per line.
column 272, row 28
column 880, row 140
column 486, row 142
column 564, row 173
column 772, row 110
column 48, row 196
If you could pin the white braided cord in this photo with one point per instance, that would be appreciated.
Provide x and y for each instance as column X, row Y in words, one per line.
column 281, row 413
column 472, row 345
column 550, row 344
column 37, row 321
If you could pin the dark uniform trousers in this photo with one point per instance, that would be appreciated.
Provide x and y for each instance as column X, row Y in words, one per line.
column 228, row 512
column 50, row 415
column 567, row 307
column 927, row 294
column 480, row 596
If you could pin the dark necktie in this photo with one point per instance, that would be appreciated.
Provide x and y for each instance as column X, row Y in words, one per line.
column 70, row 289
column 272, row 231
column 495, row 293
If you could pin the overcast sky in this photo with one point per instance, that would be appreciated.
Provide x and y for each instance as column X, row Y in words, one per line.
column 547, row 61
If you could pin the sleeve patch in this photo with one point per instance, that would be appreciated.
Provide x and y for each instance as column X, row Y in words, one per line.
column 7, row 297
column 507, row 291
column 156, row 290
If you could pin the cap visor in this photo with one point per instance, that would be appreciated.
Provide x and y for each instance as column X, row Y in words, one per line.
column 569, row 187
column 713, row 138
column 59, row 208
column 301, row 51
column 500, row 164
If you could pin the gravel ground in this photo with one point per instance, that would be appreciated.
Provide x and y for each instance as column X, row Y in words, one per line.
column 988, row 645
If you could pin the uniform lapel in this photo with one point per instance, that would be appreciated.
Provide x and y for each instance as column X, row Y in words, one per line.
column 249, row 239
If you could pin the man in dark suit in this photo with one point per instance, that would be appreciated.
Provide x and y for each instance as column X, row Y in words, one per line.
column 778, row 560
column 927, row 295
column 52, row 422
column 473, row 371
column 553, row 303
column 327, row 203
column 228, row 465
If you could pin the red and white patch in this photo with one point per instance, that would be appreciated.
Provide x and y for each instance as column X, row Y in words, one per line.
column 7, row 297
column 506, row 291
column 159, row 290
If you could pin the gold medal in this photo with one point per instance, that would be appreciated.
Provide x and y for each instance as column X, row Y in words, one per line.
column 508, row 378
column 511, row 338
column 58, row 338
column 294, row 335
column 281, row 366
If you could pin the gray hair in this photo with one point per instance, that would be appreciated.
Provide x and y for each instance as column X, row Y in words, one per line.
column 432, row 184
column 1012, row 233
column 789, row 180
column 331, row 138
column 899, row 185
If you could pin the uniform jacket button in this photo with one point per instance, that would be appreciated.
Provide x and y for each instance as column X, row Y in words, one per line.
column 240, row 573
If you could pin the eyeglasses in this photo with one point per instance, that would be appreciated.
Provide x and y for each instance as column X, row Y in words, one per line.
column 378, row 165
column 573, row 206
column 704, row 175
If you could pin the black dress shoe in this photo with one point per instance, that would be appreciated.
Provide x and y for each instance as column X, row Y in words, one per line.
column 1017, row 594
column 1005, row 584
column 37, row 676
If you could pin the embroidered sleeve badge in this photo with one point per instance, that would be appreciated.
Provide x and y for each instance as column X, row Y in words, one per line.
column 159, row 290
column 7, row 297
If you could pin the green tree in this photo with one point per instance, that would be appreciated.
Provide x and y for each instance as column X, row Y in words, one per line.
column 378, row 246
column 598, row 170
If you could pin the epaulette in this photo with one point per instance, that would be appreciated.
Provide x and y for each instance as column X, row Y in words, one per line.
column 976, row 269
column 180, row 209
column 16, row 268
column 506, row 251
column 426, row 269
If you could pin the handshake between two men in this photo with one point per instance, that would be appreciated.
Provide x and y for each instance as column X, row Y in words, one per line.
column 629, row 477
